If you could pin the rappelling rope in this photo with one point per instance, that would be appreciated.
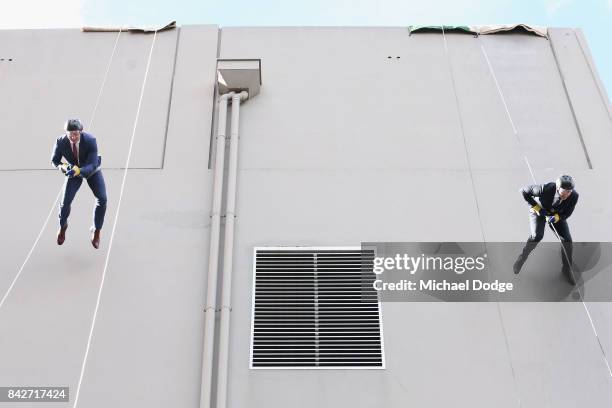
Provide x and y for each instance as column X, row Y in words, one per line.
column 44, row 226
column 112, row 236
column 588, row 313
column 467, row 155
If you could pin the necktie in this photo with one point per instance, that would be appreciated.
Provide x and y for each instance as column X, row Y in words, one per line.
column 75, row 154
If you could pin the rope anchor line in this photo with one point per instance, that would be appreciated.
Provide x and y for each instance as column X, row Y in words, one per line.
column 586, row 308
column 112, row 235
column 54, row 205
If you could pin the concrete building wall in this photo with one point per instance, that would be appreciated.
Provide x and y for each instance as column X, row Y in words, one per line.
column 343, row 145
column 146, row 346
column 346, row 145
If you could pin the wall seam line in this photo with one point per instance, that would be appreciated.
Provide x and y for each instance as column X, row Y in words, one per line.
column 571, row 105
column 176, row 47
column 594, row 77
column 213, row 122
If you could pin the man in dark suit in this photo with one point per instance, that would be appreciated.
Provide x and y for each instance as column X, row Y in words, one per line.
column 80, row 151
column 556, row 204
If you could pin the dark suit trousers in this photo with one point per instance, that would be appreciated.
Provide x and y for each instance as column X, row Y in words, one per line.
column 537, row 224
column 98, row 188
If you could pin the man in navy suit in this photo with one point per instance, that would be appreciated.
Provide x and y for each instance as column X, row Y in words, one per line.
column 80, row 151
column 557, row 201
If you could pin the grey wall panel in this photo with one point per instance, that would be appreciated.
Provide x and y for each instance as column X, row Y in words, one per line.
column 522, row 65
column 294, row 207
column 291, row 194
column 153, row 341
column 347, row 207
column 146, row 348
column 45, row 320
column 437, row 342
column 331, row 98
column 584, row 47
column 601, row 312
column 31, row 206
column 59, row 74
column 552, row 344
column 582, row 87
column 527, row 75
column 557, row 358
column 485, row 122
column 542, row 371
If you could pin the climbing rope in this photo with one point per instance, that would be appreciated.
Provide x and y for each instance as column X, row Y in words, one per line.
column 516, row 134
column 112, row 236
column 484, row 240
column 54, row 205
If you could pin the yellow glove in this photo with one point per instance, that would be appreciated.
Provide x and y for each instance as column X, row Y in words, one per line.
column 73, row 172
column 536, row 209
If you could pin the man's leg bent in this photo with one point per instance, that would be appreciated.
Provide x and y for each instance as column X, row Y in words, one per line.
column 562, row 229
column 98, row 188
column 71, row 186
column 536, row 224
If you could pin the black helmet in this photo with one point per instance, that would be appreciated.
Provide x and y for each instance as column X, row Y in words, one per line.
column 72, row 125
column 565, row 182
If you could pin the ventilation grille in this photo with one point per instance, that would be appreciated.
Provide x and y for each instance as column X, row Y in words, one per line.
column 315, row 308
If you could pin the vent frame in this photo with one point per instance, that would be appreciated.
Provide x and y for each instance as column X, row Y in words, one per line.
column 256, row 249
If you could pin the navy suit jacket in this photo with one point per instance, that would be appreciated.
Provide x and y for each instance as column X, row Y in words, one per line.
column 88, row 153
column 549, row 199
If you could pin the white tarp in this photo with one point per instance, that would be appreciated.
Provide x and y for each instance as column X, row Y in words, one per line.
column 145, row 30
column 492, row 29
column 483, row 29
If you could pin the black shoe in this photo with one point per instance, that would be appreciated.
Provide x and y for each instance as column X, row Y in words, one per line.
column 569, row 275
column 518, row 265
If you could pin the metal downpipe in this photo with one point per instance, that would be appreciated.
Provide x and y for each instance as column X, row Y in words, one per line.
column 228, row 251
column 213, row 257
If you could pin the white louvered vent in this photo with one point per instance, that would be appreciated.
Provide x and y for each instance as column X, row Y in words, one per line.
column 315, row 308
